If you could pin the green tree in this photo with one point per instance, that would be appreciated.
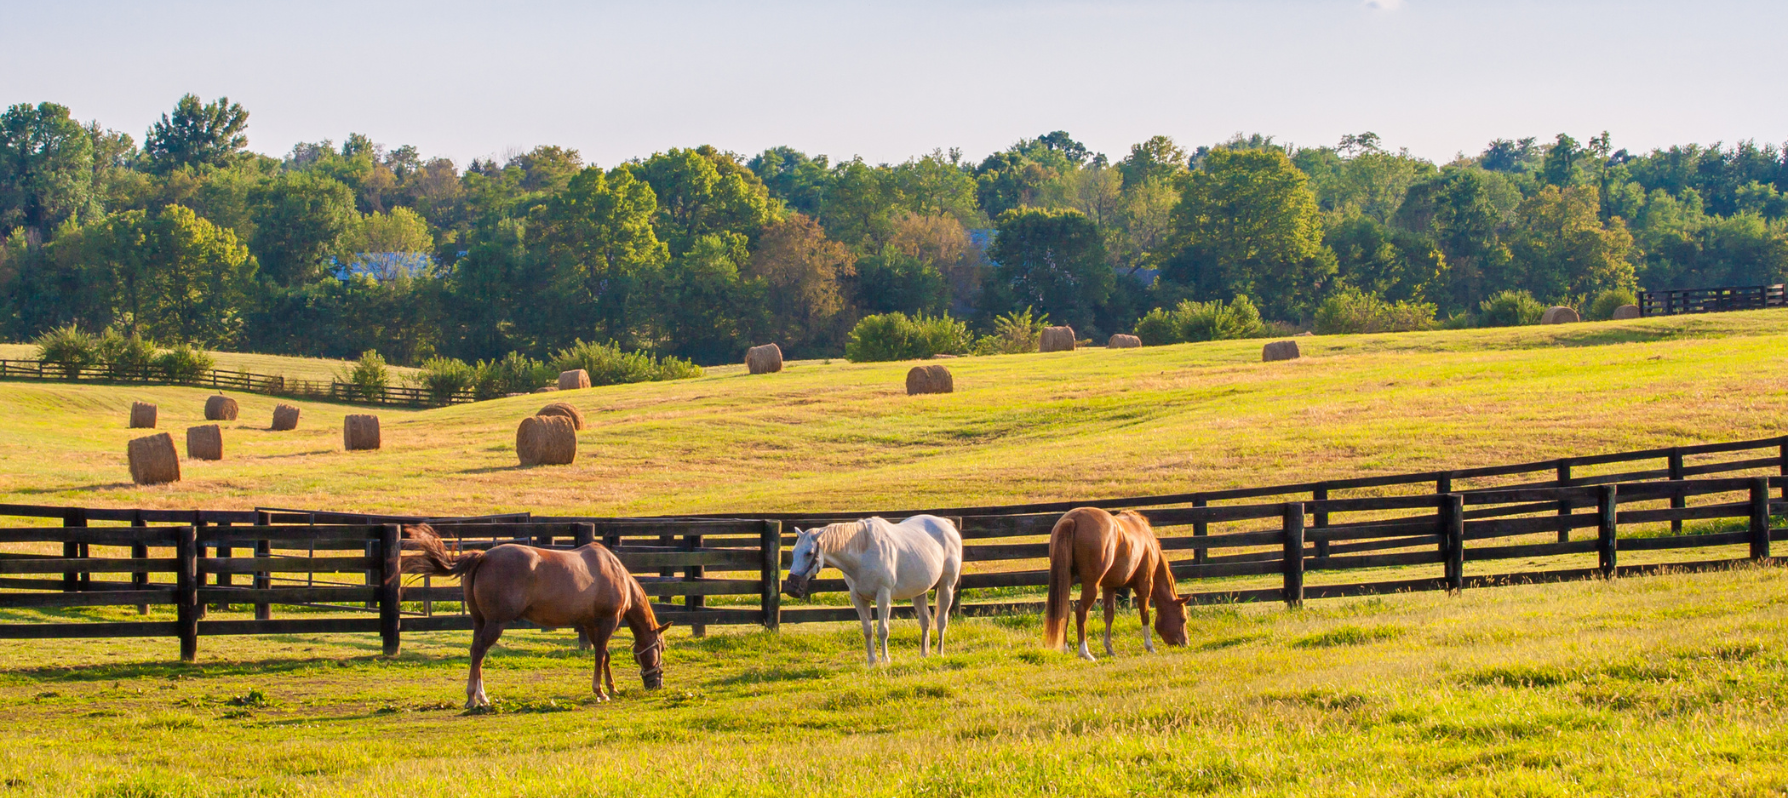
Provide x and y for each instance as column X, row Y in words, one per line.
column 1247, row 224
column 599, row 253
column 174, row 276
column 46, row 169
column 703, row 191
column 1054, row 261
column 197, row 134
column 711, row 307
column 301, row 221
column 1563, row 251
column 803, row 273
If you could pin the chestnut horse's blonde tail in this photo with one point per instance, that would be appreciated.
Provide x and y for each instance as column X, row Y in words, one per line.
column 434, row 559
column 1061, row 580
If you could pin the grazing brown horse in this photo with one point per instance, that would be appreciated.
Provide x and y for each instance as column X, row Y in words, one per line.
column 586, row 589
column 1106, row 552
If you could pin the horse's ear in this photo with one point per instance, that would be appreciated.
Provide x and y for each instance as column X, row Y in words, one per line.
column 666, row 625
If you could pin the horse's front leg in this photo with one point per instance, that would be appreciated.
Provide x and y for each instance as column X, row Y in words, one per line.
column 1142, row 604
column 862, row 606
column 601, row 630
column 884, row 603
column 924, row 614
column 1110, row 597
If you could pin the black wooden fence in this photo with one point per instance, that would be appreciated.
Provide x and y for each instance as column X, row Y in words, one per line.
column 1446, row 537
column 222, row 379
column 1711, row 300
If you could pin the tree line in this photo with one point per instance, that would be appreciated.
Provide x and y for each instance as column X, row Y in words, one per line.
column 335, row 249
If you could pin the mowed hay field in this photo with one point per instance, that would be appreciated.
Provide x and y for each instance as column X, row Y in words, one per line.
column 1661, row 685
column 1087, row 424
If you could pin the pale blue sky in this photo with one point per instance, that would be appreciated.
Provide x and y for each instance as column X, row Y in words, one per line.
column 890, row 80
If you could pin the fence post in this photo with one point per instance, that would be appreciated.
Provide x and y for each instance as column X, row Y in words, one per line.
column 771, row 545
column 691, row 602
column 263, row 580
column 1443, row 484
column 1760, row 518
column 373, row 576
column 1606, row 508
column 186, row 591
column 1200, row 529
column 1452, row 540
column 1674, row 463
column 72, row 519
column 1321, row 494
column 1564, row 505
column 583, row 535
column 223, row 580
column 198, row 524
column 139, row 580
column 391, row 550
column 1783, row 456
column 1294, row 554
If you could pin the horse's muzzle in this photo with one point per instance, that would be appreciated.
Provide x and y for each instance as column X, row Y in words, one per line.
column 796, row 586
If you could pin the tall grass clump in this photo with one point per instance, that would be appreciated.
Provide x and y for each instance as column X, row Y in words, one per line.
column 1014, row 333
column 513, row 373
column 896, row 336
column 126, row 354
column 369, row 376
column 608, row 364
column 1201, row 321
column 1511, row 309
column 1351, row 310
column 69, row 349
column 1602, row 309
column 445, row 377
column 184, row 363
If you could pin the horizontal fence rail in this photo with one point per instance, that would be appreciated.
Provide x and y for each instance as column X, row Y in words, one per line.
column 222, row 379
column 1285, row 543
column 1710, row 300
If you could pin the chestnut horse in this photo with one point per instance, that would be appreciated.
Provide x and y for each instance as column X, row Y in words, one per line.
column 586, row 588
column 1106, row 552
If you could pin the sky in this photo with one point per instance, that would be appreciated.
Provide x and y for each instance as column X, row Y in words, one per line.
column 891, row 80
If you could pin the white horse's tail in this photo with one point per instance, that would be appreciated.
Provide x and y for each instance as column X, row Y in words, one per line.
column 1061, row 578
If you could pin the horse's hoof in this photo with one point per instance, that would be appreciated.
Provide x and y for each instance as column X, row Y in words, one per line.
column 1088, row 656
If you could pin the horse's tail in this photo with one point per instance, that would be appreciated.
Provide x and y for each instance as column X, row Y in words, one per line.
column 434, row 559
column 1061, row 577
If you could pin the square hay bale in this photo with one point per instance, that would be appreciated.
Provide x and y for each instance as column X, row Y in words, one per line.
column 574, row 379
column 929, row 379
column 153, row 460
column 1058, row 339
column 220, row 408
column 142, row 415
column 1279, row 350
column 546, row 440
column 360, row 433
column 766, row 359
column 204, row 442
column 285, row 417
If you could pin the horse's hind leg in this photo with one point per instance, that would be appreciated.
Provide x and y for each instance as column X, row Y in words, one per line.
column 1110, row 597
column 483, row 637
column 924, row 614
column 946, row 598
column 1088, row 591
column 600, row 631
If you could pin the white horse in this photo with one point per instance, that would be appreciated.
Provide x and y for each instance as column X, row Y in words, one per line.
column 885, row 562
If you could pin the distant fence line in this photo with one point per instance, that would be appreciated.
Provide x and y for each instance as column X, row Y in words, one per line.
column 270, row 385
column 1711, row 300
column 738, row 561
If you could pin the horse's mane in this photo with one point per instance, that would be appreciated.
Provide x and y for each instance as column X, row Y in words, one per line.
column 850, row 537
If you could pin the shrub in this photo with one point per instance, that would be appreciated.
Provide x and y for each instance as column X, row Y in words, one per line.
column 609, row 365
column 130, row 355
column 1602, row 309
column 1354, row 311
column 183, row 363
column 515, row 373
column 368, row 377
column 1510, row 309
column 1200, row 321
column 444, row 377
column 69, row 349
column 1014, row 333
column 895, row 336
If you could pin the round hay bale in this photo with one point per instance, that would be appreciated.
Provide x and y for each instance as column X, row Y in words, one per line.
column 1625, row 312
column 1559, row 315
column 574, row 379
column 546, row 440
column 153, row 461
column 1057, row 339
column 142, row 415
column 566, row 410
column 285, row 417
column 766, row 359
column 204, row 442
column 929, row 379
column 360, row 433
column 942, row 356
column 1122, row 341
column 1279, row 350
column 547, row 389
column 220, row 408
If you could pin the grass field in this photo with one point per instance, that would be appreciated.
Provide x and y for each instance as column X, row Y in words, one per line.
column 1666, row 685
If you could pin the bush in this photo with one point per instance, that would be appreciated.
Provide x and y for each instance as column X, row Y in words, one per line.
column 515, row 373
column 129, row 355
column 1354, row 311
column 1510, row 309
column 445, row 377
column 895, row 336
column 608, row 365
column 183, row 363
column 368, row 377
column 69, row 349
column 1602, row 309
column 1014, row 333
column 1200, row 321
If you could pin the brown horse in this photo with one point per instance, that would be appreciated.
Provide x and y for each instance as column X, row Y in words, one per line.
column 587, row 589
column 1106, row 552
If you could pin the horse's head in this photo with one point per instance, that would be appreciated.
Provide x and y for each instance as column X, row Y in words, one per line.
column 650, row 656
column 1170, row 621
column 806, row 564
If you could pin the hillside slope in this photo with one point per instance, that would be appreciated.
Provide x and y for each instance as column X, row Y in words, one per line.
column 1021, row 427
